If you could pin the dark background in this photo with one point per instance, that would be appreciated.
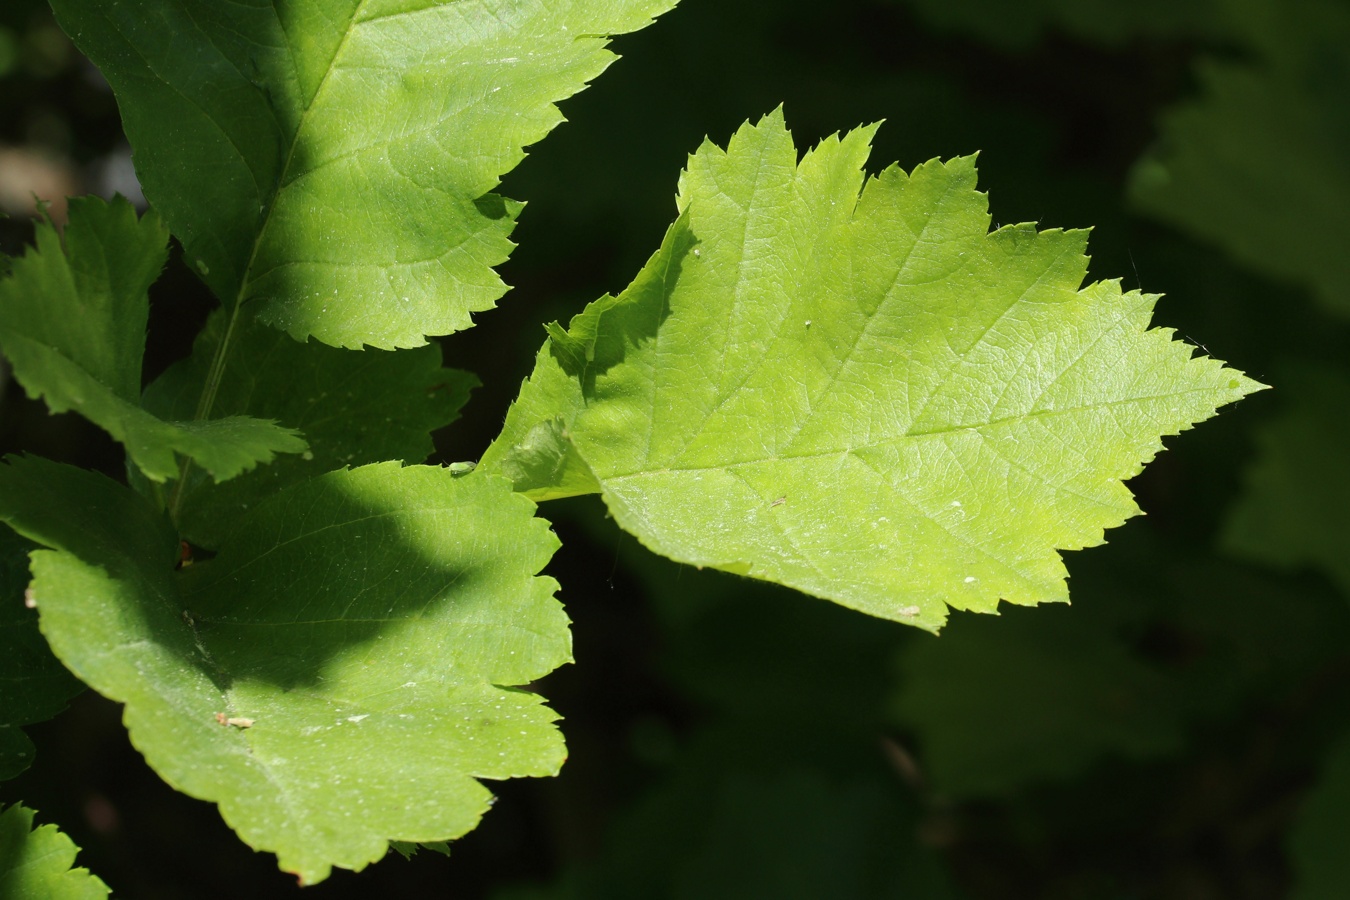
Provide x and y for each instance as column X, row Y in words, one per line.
column 730, row 739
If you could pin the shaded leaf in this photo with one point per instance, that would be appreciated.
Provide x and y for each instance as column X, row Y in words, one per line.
column 1260, row 163
column 719, row 825
column 869, row 398
column 1155, row 645
column 353, row 408
column 1295, row 510
column 408, row 850
column 39, row 862
column 1321, row 832
column 1022, row 24
column 798, row 835
column 1000, row 705
column 337, row 677
column 72, row 322
column 34, row 686
column 329, row 163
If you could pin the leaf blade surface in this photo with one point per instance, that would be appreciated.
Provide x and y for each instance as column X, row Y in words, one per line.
column 72, row 322
column 866, row 396
column 338, row 676
column 330, row 164
column 39, row 862
column 354, row 408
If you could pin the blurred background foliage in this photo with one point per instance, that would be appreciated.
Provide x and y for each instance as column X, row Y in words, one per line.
column 1181, row 731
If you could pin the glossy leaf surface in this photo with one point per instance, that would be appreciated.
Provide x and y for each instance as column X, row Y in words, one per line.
column 339, row 675
column 328, row 163
column 866, row 396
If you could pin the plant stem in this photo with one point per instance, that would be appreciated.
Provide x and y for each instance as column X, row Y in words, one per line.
column 207, row 401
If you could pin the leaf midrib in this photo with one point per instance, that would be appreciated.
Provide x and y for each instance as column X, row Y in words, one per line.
column 284, row 176
column 216, row 370
column 914, row 435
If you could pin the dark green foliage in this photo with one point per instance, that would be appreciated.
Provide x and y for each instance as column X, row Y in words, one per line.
column 33, row 685
column 1177, row 732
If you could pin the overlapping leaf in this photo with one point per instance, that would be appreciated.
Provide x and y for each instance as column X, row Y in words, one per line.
column 1260, row 164
column 72, row 323
column 869, row 397
column 34, row 686
column 353, row 408
column 39, row 863
column 337, row 676
column 329, row 163
column 1295, row 510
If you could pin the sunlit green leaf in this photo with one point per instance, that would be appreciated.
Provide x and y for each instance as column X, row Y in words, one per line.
column 870, row 398
column 38, row 863
column 353, row 407
column 329, row 163
column 72, row 323
column 339, row 675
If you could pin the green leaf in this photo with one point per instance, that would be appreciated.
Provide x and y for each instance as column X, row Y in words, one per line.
column 37, row 863
column 869, row 398
column 800, row 835
column 1321, row 832
column 1156, row 645
column 353, row 408
column 722, row 824
column 72, row 322
column 408, row 850
column 1260, row 164
column 999, row 705
column 338, row 676
column 1295, row 510
column 329, row 163
column 34, row 686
